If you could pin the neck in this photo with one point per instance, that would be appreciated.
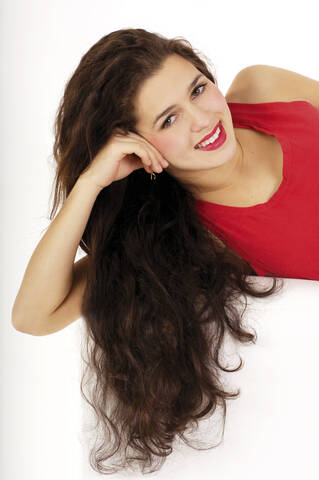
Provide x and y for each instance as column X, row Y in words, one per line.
column 218, row 181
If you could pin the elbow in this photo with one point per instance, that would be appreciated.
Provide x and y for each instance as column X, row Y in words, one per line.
column 16, row 320
column 21, row 325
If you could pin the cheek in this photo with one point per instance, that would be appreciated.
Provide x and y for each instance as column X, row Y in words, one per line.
column 216, row 100
column 170, row 145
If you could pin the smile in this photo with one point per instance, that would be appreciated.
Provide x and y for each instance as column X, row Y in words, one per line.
column 209, row 136
column 214, row 140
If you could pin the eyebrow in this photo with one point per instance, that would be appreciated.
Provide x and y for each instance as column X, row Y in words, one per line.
column 174, row 106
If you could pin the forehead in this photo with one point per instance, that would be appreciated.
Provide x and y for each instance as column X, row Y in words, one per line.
column 164, row 88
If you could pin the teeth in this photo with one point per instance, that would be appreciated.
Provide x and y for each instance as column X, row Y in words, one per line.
column 210, row 140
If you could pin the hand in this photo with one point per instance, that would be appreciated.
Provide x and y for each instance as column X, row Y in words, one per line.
column 120, row 156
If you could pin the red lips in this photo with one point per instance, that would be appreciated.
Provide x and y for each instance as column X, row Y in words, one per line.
column 209, row 135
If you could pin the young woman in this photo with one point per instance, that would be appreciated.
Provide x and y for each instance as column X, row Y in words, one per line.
column 174, row 228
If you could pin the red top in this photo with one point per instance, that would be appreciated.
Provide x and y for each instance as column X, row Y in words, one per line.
column 279, row 237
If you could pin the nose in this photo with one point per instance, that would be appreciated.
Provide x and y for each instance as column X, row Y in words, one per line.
column 200, row 119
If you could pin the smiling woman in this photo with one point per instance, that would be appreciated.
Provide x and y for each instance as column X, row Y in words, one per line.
column 199, row 109
column 157, row 291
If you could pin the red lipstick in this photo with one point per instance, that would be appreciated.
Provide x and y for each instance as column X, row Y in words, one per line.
column 209, row 134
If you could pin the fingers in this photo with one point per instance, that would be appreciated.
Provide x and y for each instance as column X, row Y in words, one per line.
column 158, row 162
column 140, row 153
column 153, row 161
column 160, row 158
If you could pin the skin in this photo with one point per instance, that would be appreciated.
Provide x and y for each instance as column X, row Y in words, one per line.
column 204, row 173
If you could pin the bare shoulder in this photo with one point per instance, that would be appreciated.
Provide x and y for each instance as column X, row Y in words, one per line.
column 240, row 88
column 266, row 83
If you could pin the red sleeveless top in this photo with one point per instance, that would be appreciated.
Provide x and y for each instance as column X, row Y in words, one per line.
column 279, row 237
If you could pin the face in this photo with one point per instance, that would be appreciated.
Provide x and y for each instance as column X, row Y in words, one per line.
column 198, row 105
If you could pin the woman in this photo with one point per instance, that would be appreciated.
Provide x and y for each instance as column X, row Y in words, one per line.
column 158, row 290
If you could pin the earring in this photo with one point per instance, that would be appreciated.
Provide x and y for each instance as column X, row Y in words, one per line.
column 153, row 176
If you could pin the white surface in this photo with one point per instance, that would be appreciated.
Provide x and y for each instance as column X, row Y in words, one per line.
column 270, row 430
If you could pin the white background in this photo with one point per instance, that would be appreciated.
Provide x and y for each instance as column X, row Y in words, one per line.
column 271, row 430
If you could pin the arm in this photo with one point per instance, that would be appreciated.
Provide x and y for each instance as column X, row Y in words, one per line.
column 51, row 277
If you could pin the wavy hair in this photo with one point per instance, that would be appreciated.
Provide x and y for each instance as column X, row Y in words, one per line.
column 161, row 292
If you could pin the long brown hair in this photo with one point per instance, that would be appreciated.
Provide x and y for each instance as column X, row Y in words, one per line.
column 161, row 293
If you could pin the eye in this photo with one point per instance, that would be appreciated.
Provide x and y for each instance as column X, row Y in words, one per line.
column 166, row 123
column 199, row 86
